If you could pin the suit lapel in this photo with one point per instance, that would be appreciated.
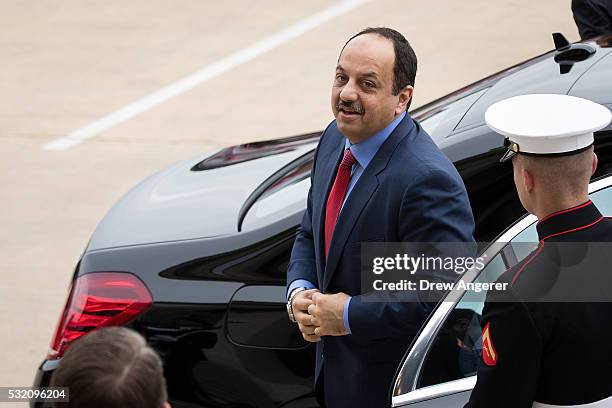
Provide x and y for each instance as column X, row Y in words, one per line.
column 359, row 197
column 361, row 194
column 328, row 165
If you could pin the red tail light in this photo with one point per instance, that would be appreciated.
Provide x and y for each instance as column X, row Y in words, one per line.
column 99, row 300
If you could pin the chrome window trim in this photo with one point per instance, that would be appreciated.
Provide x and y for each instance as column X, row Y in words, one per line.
column 435, row 391
column 413, row 362
column 255, row 196
column 600, row 184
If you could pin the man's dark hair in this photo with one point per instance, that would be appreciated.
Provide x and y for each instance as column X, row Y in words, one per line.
column 405, row 68
column 111, row 367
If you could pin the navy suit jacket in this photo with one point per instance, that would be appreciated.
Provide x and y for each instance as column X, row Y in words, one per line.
column 409, row 192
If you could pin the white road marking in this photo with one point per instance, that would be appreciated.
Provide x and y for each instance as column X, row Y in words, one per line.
column 150, row 101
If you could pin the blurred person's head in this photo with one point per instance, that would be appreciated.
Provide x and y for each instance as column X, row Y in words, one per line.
column 373, row 83
column 109, row 368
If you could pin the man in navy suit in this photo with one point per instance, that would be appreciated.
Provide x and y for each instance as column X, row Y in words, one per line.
column 377, row 176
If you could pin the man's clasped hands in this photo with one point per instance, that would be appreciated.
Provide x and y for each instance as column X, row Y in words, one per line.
column 319, row 314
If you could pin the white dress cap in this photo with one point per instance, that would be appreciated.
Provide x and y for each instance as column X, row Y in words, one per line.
column 546, row 124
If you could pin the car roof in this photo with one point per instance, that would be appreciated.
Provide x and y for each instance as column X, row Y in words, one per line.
column 208, row 196
column 542, row 77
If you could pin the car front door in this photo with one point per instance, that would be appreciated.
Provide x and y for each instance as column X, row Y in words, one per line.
column 439, row 370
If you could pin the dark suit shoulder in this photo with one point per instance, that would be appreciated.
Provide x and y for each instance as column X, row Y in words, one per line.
column 418, row 157
column 330, row 136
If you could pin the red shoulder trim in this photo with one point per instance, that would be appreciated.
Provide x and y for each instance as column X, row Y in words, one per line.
column 518, row 273
column 565, row 211
column 573, row 229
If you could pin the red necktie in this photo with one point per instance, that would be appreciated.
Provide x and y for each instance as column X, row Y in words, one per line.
column 336, row 196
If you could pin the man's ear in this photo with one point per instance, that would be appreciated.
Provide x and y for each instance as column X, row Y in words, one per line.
column 166, row 405
column 405, row 95
column 594, row 164
column 528, row 180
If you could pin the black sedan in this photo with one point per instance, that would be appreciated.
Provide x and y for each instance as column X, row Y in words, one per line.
column 195, row 257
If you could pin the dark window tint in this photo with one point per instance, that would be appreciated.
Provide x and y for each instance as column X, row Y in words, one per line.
column 456, row 350
column 249, row 151
column 440, row 119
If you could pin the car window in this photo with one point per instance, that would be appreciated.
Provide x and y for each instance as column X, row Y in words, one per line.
column 281, row 203
column 456, row 350
column 603, row 200
column 525, row 242
column 440, row 120
column 251, row 151
column 280, row 196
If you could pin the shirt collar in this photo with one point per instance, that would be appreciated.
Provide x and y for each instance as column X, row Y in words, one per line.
column 365, row 150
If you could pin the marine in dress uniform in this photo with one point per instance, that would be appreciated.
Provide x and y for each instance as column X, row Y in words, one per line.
column 539, row 353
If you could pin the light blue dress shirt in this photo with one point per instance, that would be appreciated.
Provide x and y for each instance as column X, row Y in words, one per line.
column 363, row 152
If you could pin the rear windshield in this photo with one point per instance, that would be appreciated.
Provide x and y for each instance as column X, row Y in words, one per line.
column 250, row 151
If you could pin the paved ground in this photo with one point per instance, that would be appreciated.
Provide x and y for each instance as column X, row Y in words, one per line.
column 67, row 64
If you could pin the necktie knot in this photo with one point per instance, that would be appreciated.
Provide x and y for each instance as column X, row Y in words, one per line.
column 348, row 159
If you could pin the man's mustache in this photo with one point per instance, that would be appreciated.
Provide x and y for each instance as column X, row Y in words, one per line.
column 350, row 106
